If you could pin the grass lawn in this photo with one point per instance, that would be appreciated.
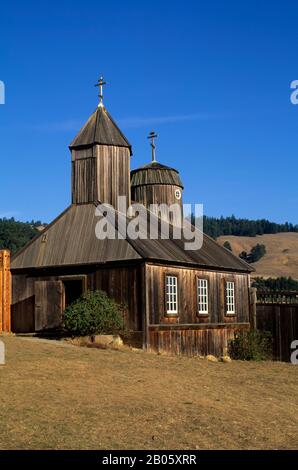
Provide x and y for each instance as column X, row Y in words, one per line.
column 56, row 396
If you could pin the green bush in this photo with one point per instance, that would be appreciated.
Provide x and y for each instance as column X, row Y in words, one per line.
column 93, row 313
column 251, row 345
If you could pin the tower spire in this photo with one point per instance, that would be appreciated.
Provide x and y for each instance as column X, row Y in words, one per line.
column 100, row 83
column 152, row 136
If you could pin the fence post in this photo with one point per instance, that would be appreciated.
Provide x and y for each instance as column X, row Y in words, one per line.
column 5, row 291
column 253, row 307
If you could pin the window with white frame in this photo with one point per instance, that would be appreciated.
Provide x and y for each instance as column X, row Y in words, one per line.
column 172, row 295
column 202, row 296
column 230, row 299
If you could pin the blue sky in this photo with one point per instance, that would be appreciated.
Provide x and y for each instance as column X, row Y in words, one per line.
column 211, row 78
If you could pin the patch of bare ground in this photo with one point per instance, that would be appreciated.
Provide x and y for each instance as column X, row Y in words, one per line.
column 56, row 397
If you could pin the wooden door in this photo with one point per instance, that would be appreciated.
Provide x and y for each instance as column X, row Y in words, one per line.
column 48, row 304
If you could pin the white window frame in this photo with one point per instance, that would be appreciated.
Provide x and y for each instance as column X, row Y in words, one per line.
column 202, row 296
column 171, row 291
column 230, row 297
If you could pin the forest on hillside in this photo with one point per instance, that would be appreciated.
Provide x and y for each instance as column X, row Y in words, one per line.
column 275, row 284
column 15, row 234
column 215, row 227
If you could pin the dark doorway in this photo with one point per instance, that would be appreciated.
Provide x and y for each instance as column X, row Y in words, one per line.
column 73, row 289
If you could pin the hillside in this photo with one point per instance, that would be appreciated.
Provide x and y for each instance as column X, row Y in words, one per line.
column 281, row 258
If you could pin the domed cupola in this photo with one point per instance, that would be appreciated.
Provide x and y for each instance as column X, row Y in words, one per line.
column 157, row 184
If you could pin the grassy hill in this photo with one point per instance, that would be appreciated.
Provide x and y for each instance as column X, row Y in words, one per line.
column 281, row 258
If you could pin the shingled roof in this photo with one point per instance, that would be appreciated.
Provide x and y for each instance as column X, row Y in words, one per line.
column 155, row 173
column 70, row 240
column 100, row 129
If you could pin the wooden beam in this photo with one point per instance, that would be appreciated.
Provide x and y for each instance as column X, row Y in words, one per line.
column 253, row 307
column 145, row 301
column 5, row 291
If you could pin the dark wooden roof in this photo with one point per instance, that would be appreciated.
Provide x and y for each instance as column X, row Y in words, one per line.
column 171, row 250
column 155, row 173
column 100, row 129
column 211, row 255
column 71, row 240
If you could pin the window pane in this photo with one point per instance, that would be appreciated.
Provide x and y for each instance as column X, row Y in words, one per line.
column 230, row 297
column 202, row 296
column 171, row 295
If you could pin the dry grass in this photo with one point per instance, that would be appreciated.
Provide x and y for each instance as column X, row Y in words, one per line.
column 281, row 258
column 56, row 396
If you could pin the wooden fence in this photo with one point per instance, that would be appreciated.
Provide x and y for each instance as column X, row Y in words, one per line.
column 277, row 312
column 5, row 291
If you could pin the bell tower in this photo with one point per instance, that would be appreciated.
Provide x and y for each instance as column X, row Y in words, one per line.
column 156, row 185
column 100, row 155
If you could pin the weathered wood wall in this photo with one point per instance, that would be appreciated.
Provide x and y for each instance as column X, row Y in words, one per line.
column 83, row 181
column 190, row 333
column 187, row 295
column 121, row 283
column 124, row 285
column 192, row 340
column 141, row 290
column 22, row 304
column 113, row 173
column 5, row 291
column 101, row 173
column 160, row 194
column 49, row 304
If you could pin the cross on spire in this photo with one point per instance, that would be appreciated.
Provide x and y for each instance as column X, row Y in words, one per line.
column 100, row 83
column 152, row 136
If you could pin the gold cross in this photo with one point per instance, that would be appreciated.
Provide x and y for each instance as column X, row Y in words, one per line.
column 100, row 83
column 152, row 136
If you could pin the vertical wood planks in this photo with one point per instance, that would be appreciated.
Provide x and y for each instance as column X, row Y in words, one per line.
column 281, row 320
column 192, row 340
column 187, row 295
column 5, row 291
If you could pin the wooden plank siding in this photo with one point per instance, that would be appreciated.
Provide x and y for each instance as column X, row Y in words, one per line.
column 123, row 284
column 22, row 305
column 192, row 340
column 187, row 295
column 48, row 305
column 101, row 173
column 84, row 188
column 162, row 196
column 281, row 320
column 113, row 174
column 5, row 291
column 189, row 332
column 140, row 288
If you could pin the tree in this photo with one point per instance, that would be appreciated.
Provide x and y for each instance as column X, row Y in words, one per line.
column 257, row 252
column 14, row 234
column 227, row 245
column 243, row 255
column 275, row 284
column 215, row 227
